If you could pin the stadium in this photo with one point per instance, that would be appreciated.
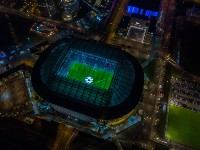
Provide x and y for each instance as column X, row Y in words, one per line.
column 88, row 80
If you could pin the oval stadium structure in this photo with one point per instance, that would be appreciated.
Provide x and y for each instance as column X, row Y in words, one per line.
column 87, row 77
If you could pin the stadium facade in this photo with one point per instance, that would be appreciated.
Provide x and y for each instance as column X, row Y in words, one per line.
column 95, row 85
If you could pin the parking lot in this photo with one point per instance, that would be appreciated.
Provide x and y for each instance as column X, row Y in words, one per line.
column 185, row 94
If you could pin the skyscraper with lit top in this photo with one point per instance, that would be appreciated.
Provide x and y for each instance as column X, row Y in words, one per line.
column 71, row 8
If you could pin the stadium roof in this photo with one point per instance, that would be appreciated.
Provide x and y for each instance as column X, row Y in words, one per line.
column 60, row 74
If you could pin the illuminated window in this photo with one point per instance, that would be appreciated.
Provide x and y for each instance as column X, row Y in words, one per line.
column 140, row 11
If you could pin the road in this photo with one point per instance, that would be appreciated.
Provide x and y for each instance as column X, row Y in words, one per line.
column 116, row 19
column 65, row 136
column 156, row 43
column 42, row 19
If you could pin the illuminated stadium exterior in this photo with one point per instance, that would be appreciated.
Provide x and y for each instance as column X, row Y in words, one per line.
column 89, row 80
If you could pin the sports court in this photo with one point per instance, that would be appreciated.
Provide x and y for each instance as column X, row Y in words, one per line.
column 88, row 69
column 183, row 126
column 89, row 75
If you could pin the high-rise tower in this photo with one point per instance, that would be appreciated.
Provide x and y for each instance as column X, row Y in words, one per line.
column 71, row 8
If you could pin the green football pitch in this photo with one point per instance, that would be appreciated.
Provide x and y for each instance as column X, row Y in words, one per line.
column 101, row 78
column 184, row 126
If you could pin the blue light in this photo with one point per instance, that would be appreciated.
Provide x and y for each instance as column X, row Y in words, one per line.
column 136, row 9
column 13, row 51
column 129, row 9
column 99, row 18
column 141, row 11
column 132, row 10
column 155, row 14
column 3, row 55
column 2, row 62
column 147, row 13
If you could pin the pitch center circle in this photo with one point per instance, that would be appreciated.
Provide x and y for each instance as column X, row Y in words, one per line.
column 88, row 80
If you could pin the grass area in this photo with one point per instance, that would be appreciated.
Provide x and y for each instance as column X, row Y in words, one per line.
column 149, row 70
column 183, row 126
column 101, row 78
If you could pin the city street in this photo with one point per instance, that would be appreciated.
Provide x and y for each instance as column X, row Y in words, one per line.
column 65, row 136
